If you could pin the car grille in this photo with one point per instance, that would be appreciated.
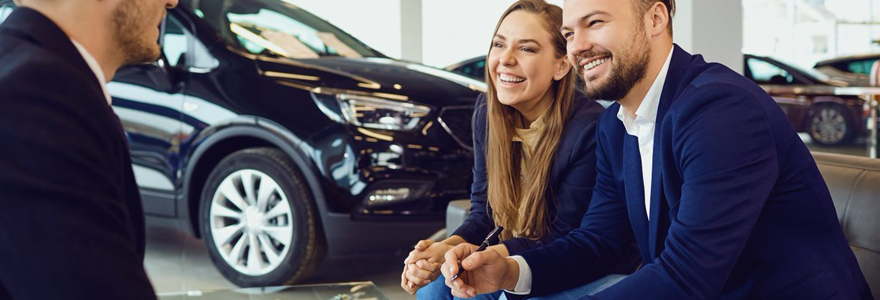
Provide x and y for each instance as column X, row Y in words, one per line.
column 457, row 121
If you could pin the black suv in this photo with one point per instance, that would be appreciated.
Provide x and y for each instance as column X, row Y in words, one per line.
column 280, row 139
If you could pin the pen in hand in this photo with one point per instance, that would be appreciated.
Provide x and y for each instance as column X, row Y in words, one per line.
column 492, row 235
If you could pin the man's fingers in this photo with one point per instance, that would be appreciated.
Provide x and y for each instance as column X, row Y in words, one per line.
column 478, row 259
column 460, row 289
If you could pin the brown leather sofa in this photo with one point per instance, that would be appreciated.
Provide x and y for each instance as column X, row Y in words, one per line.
column 854, row 183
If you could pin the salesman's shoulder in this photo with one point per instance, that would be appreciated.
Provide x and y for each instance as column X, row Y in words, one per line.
column 21, row 57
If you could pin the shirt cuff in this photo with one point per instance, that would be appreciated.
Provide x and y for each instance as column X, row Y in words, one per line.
column 524, row 283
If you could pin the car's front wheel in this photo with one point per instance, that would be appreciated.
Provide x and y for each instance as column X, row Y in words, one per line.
column 830, row 125
column 258, row 220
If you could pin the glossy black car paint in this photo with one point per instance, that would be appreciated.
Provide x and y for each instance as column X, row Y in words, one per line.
column 182, row 120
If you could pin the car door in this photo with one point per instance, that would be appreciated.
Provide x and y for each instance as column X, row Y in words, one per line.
column 148, row 99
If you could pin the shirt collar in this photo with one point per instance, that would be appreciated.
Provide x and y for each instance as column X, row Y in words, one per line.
column 535, row 128
column 95, row 67
column 647, row 111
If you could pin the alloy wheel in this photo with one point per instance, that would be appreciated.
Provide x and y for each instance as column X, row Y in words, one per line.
column 828, row 126
column 251, row 222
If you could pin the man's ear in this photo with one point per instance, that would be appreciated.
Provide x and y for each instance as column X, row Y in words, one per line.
column 562, row 68
column 657, row 19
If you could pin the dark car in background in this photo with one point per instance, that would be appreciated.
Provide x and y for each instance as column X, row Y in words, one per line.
column 809, row 100
column 855, row 69
column 280, row 140
column 474, row 67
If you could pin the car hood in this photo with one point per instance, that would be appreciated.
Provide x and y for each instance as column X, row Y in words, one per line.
column 381, row 77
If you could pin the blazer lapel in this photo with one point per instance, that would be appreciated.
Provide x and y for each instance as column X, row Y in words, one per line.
column 659, row 223
column 635, row 193
column 658, row 215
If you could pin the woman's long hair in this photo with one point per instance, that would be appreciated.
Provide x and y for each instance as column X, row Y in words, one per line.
column 520, row 205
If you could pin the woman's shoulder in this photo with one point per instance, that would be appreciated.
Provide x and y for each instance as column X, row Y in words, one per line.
column 586, row 113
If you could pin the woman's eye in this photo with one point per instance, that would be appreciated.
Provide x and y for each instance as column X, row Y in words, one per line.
column 567, row 34
column 527, row 49
column 497, row 45
column 596, row 22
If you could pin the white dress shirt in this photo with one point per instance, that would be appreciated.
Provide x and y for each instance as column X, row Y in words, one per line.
column 640, row 125
column 96, row 68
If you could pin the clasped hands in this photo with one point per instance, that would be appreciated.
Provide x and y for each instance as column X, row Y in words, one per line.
column 484, row 272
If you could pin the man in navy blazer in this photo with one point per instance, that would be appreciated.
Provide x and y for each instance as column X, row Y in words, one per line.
column 695, row 163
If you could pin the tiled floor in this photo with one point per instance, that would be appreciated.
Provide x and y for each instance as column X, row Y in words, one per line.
column 177, row 262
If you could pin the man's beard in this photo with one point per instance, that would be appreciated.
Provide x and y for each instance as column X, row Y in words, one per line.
column 627, row 69
column 129, row 35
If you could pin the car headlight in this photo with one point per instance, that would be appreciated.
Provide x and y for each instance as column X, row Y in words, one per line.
column 372, row 112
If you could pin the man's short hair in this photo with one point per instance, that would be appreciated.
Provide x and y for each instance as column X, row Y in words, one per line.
column 642, row 6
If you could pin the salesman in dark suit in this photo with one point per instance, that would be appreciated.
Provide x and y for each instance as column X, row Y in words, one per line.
column 71, row 220
column 698, row 165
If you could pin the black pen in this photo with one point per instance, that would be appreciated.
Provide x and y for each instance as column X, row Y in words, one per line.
column 492, row 235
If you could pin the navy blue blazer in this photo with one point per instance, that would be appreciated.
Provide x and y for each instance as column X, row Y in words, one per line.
column 738, row 207
column 571, row 178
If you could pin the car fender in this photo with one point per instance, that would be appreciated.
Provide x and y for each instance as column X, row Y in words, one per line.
column 253, row 127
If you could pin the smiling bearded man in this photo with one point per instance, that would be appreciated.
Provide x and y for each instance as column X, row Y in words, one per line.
column 697, row 165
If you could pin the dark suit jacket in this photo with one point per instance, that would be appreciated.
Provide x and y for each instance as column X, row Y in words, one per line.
column 738, row 207
column 71, row 220
column 571, row 177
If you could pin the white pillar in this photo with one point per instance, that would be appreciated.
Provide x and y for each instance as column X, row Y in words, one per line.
column 411, row 30
column 713, row 28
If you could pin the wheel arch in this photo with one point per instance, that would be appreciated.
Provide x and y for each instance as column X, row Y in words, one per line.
column 218, row 141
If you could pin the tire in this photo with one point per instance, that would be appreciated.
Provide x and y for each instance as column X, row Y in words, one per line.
column 278, row 209
column 830, row 125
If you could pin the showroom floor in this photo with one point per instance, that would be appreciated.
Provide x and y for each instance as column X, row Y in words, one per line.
column 177, row 262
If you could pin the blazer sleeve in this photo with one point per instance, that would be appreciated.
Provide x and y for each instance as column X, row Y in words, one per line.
column 726, row 184
column 572, row 189
column 593, row 248
column 64, row 229
column 479, row 222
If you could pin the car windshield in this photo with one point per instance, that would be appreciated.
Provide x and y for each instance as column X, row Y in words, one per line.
column 277, row 28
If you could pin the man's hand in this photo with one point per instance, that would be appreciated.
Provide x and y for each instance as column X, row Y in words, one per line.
column 485, row 271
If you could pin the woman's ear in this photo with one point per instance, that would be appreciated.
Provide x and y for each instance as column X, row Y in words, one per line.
column 562, row 68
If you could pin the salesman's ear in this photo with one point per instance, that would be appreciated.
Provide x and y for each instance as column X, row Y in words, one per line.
column 562, row 68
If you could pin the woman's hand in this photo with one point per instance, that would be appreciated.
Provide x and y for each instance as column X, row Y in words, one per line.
column 423, row 263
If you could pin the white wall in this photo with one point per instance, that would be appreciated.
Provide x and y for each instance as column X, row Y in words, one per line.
column 455, row 30
column 374, row 22
column 713, row 28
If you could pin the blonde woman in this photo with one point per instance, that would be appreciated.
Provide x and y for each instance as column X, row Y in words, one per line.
column 534, row 146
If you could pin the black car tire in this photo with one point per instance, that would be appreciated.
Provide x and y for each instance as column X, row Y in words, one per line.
column 825, row 123
column 307, row 247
